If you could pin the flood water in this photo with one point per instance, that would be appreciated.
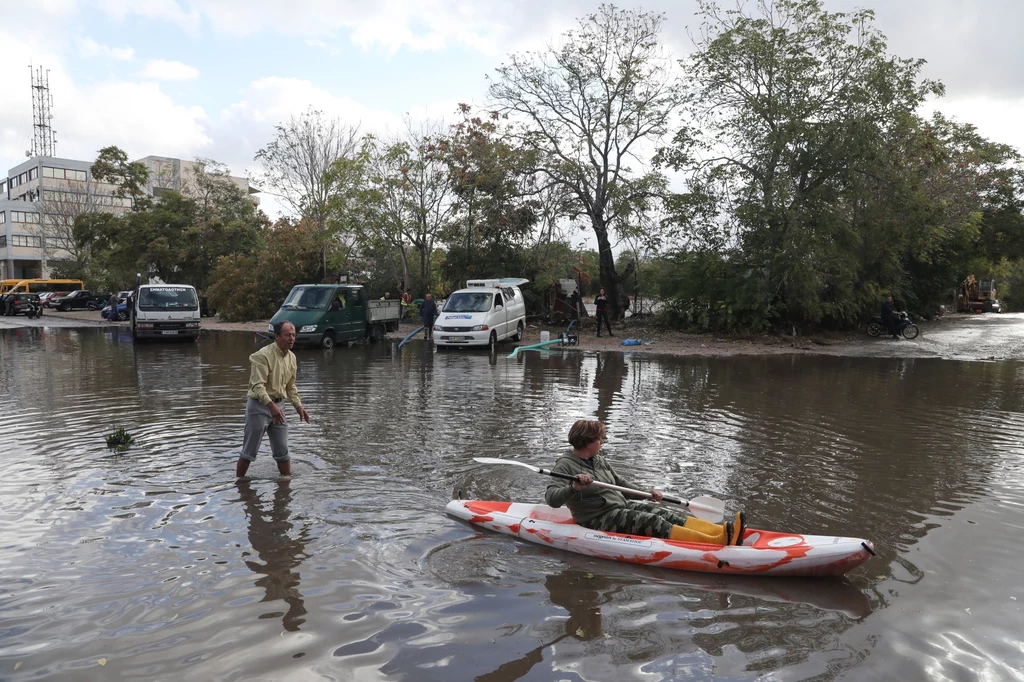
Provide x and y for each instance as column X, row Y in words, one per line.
column 154, row 563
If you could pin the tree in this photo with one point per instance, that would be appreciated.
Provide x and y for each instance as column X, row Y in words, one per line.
column 251, row 286
column 791, row 106
column 414, row 193
column 586, row 107
column 296, row 165
column 128, row 177
column 495, row 210
column 59, row 207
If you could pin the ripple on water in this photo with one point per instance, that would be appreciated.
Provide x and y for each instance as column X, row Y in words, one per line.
column 155, row 561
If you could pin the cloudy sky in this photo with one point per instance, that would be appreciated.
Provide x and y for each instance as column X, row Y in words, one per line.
column 211, row 78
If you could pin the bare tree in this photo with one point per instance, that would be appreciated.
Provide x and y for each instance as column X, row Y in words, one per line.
column 586, row 106
column 58, row 207
column 296, row 165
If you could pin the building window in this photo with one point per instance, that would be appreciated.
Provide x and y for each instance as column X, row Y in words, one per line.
column 33, row 173
column 3, row 217
column 23, row 178
column 14, row 182
column 65, row 174
column 3, row 187
column 24, row 217
column 25, row 240
column 3, row 241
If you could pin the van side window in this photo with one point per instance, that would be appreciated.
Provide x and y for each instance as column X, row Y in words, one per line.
column 510, row 294
column 355, row 297
column 497, row 301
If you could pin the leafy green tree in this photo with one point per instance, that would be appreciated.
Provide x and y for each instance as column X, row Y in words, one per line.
column 495, row 212
column 252, row 286
column 129, row 177
column 586, row 107
column 791, row 104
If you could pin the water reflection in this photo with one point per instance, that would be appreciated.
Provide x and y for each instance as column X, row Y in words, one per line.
column 922, row 457
column 279, row 549
column 582, row 595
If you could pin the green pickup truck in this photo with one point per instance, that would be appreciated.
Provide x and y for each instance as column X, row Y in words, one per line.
column 326, row 314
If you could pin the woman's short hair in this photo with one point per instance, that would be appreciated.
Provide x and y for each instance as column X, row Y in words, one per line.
column 584, row 432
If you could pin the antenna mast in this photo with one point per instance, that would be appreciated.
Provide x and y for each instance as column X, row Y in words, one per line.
column 44, row 137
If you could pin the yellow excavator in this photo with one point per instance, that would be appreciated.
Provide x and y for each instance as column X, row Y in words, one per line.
column 977, row 296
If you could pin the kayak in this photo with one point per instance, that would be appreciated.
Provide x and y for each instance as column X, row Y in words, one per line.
column 763, row 552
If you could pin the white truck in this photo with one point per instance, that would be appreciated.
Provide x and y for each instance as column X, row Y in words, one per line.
column 164, row 311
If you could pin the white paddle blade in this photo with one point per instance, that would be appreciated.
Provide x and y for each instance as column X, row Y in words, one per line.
column 707, row 508
column 495, row 460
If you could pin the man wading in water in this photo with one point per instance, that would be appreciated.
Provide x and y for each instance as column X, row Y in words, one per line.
column 271, row 378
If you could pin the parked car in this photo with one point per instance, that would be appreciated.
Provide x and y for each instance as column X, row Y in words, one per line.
column 50, row 295
column 992, row 306
column 76, row 300
column 21, row 302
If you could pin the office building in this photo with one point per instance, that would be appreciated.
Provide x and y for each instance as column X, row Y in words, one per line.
column 40, row 198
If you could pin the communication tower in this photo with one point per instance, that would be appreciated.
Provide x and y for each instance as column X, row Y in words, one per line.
column 44, row 137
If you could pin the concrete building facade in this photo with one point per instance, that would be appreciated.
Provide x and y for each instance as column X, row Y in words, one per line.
column 40, row 198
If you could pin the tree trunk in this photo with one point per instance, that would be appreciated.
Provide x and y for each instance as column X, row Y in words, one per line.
column 609, row 281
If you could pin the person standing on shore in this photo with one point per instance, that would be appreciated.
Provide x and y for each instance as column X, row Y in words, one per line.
column 428, row 312
column 601, row 302
column 272, row 372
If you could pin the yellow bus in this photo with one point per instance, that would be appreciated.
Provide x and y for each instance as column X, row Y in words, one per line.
column 39, row 286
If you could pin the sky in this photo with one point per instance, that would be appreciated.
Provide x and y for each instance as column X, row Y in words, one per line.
column 211, row 78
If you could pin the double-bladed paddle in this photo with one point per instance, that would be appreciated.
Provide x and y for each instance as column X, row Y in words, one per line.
column 703, row 507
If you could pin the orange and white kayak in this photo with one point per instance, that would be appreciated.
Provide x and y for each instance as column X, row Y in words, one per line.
column 763, row 552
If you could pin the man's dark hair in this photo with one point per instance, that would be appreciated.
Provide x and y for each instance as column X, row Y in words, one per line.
column 279, row 327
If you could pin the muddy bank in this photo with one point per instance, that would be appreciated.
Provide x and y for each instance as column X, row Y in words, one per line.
column 957, row 337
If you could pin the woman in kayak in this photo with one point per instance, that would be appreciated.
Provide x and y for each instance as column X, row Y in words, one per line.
column 609, row 510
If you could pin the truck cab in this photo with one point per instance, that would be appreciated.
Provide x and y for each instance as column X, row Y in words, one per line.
column 164, row 311
column 482, row 314
column 326, row 314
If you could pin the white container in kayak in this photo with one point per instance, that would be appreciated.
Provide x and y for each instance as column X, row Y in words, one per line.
column 762, row 552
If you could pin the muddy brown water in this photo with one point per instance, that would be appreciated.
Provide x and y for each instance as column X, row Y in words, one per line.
column 155, row 563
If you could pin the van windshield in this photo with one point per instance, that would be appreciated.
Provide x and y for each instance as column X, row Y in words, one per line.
column 308, row 298
column 469, row 302
column 168, row 298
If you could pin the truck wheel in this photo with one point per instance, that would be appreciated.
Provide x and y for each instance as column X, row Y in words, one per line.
column 123, row 317
column 492, row 343
column 519, row 332
column 376, row 333
column 328, row 340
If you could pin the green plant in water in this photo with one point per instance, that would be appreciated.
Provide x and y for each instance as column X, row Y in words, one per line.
column 119, row 439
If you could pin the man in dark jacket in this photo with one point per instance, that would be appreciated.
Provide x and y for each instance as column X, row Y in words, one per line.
column 601, row 302
column 891, row 317
column 428, row 312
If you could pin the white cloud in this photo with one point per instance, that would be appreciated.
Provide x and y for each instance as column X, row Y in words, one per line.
column 166, row 10
column 89, row 48
column 164, row 70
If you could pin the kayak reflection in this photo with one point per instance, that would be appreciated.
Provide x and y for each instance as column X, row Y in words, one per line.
column 280, row 553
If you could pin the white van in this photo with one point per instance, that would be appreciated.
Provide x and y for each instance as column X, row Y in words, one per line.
column 485, row 312
column 164, row 311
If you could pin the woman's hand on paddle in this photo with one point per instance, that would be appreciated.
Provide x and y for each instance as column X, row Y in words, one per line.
column 583, row 480
column 656, row 495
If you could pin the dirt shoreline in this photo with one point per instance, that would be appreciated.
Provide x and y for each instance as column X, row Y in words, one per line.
column 958, row 337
